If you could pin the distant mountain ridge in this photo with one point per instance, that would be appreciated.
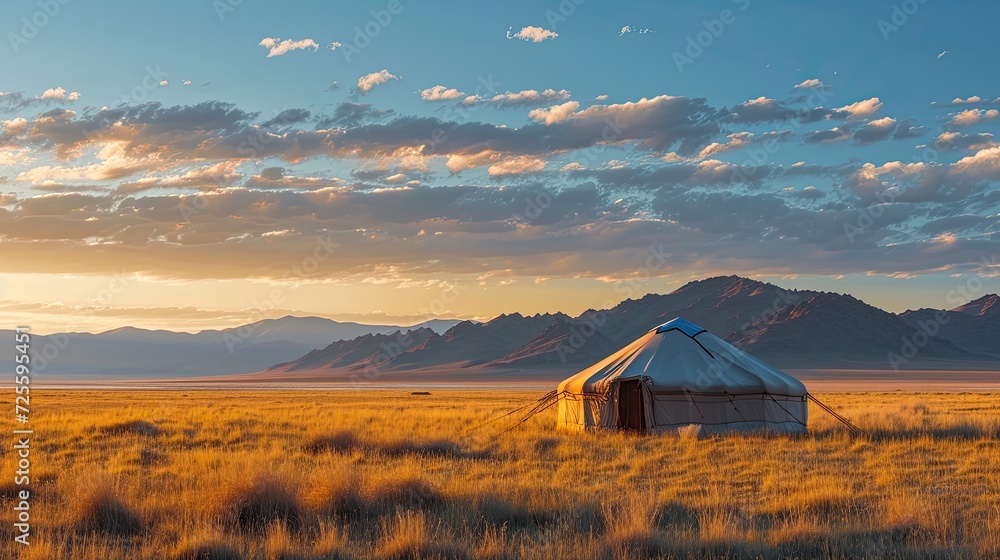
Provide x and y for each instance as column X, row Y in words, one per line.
column 974, row 326
column 984, row 306
column 563, row 341
column 316, row 331
column 366, row 350
column 469, row 344
column 787, row 328
column 131, row 352
column 842, row 330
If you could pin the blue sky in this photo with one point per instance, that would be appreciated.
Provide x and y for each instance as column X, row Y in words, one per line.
column 723, row 159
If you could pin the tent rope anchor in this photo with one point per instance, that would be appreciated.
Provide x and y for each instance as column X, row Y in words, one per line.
column 544, row 403
column 854, row 429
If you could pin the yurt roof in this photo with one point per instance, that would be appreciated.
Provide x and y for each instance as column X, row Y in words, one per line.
column 690, row 359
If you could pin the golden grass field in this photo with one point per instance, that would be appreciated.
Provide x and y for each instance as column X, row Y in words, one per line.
column 387, row 474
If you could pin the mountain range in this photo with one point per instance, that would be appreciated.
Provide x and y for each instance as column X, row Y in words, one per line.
column 788, row 328
column 130, row 352
column 974, row 326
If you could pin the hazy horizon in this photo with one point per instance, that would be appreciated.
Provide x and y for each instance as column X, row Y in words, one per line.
column 210, row 320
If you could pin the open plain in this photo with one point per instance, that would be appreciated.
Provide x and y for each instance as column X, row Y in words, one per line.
column 389, row 474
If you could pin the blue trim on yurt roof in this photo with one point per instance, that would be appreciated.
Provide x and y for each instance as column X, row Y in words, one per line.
column 683, row 325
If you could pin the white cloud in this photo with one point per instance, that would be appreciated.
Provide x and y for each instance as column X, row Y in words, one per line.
column 973, row 99
column 946, row 137
column 60, row 94
column 969, row 116
column 736, row 141
column 554, row 114
column 397, row 178
column 515, row 166
column 631, row 109
column 461, row 162
column 519, row 98
column 810, row 83
column 186, row 82
column 391, row 189
column 883, row 122
column 277, row 47
column 14, row 127
column 216, row 175
column 601, row 97
column 11, row 156
column 634, row 29
column 368, row 81
column 985, row 164
column 862, row 108
column 532, row 34
column 759, row 101
column 872, row 172
column 972, row 116
column 91, row 172
column 440, row 93
column 164, row 83
column 973, row 142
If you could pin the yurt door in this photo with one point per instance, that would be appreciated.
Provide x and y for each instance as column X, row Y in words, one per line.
column 630, row 412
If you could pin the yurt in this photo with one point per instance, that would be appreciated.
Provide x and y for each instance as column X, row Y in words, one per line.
column 677, row 375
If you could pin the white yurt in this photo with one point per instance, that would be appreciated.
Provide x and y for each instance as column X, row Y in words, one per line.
column 677, row 375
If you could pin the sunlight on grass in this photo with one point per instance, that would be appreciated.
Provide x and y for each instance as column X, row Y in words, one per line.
column 341, row 474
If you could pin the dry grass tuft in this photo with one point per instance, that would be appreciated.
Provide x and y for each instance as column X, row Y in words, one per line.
column 433, row 448
column 335, row 492
column 408, row 537
column 401, row 491
column 797, row 533
column 905, row 513
column 503, row 513
column 38, row 550
column 207, row 550
column 338, row 442
column 689, row 433
column 9, row 490
column 545, row 446
column 675, row 515
column 348, row 440
column 96, row 508
column 279, row 545
column 331, row 542
column 630, row 528
column 816, row 496
column 258, row 502
column 151, row 457
column 132, row 428
column 719, row 526
column 495, row 545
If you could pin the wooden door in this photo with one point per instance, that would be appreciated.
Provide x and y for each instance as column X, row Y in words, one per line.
column 630, row 410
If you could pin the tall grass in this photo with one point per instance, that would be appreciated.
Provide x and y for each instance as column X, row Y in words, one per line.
column 339, row 474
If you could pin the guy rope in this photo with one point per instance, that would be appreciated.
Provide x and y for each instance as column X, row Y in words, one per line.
column 854, row 429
